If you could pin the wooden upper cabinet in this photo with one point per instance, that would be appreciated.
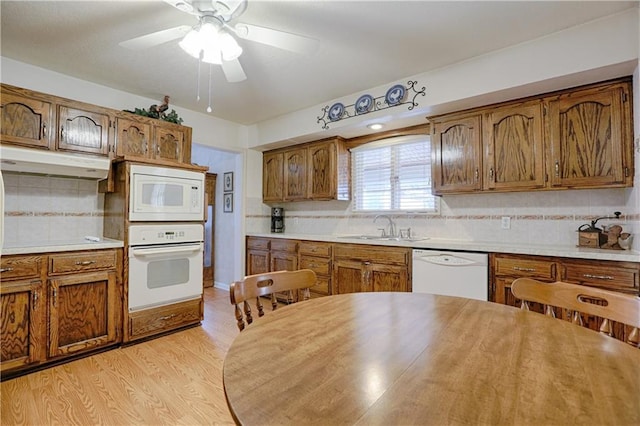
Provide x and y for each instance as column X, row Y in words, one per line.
column 513, row 142
column 25, row 121
column 133, row 138
column 590, row 137
column 81, row 130
column 314, row 171
column 169, row 144
column 272, row 176
column 295, row 174
column 457, row 153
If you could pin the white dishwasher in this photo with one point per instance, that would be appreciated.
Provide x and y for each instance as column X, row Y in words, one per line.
column 451, row 273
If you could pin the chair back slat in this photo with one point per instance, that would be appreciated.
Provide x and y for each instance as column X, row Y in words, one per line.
column 608, row 305
column 253, row 287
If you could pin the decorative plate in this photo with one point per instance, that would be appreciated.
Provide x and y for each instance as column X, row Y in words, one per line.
column 364, row 104
column 395, row 95
column 336, row 111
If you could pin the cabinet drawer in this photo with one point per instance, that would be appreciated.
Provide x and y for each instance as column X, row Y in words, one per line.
column 616, row 278
column 525, row 268
column 315, row 248
column 319, row 265
column 152, row 321
column 258, row 243
column 378, row 254
column 85, row 261
column 290, row 246
column 21, row 267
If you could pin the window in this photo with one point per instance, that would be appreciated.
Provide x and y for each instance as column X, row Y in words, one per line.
column 393, row 175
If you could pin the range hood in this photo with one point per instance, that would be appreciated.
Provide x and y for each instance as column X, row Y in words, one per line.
column 26, row 160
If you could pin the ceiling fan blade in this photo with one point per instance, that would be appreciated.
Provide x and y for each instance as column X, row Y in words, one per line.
column 280, row 39
column 233, row 71
column 155, row 39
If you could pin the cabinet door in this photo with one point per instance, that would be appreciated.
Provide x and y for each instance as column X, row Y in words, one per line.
column 349, row 276
column 322, row 173
column 21, row 323
column 272, row 176
column 82, row 131
column 168, row 144
column 133, row 138
column 380, row 277
column 295, row 174
column 25, row 121
column 514, row 147
column 281, row 261
column 587, row 138
column 457, row 155
column 257, row 261
column 82, row 312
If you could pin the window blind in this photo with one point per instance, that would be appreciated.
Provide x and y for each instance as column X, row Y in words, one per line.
column 393, row 175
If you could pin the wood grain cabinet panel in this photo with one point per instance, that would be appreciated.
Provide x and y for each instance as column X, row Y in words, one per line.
column 169, row 144
column 295, row 175
column 457, row 153
column 25, row 121
column 272, row 176
column 514, row 147
column 588, row 137
column 133, row 138
column 84, row 131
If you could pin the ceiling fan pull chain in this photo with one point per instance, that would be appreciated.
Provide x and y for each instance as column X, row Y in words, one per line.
column 198, row 84
column 210, row 73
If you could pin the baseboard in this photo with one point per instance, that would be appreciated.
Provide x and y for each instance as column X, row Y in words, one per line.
column 221, row 286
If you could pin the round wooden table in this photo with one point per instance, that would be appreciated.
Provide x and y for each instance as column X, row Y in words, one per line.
column 408, row 358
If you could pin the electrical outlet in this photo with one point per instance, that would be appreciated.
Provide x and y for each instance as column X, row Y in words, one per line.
column 506, row 222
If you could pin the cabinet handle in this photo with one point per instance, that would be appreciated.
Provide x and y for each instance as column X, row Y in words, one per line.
column 157, row 149
column 477, row 174
column 55, row 297
column 167, row 317
column 599, row 277
column 491, row 174
column 146, row 147
column 519, row 268
column 61, row 133
column 85, row 262
column 557, row 168
column 6, row 269
column 35, row 300
column 44, row 129
column 177, row 151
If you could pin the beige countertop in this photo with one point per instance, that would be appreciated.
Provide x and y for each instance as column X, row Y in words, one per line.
column 59, row 246
column 477, row 246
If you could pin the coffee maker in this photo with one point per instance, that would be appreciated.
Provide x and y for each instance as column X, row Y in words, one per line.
column 277, row 219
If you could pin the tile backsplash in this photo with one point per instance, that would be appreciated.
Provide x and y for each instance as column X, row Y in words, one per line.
column 48, row 208
column 545, row 217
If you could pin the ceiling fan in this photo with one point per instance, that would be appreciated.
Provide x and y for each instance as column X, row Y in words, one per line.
column 212, row 40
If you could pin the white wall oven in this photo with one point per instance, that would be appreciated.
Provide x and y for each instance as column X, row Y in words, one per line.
column 165, row 194
column 165, row 264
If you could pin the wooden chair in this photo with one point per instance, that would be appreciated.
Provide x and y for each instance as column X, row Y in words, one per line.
column 608, row 305
column 268, row 284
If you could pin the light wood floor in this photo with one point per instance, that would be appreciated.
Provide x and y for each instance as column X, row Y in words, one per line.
column 171, row 380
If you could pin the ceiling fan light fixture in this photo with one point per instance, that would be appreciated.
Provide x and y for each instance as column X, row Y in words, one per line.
column 192, row 43
column 212, row 55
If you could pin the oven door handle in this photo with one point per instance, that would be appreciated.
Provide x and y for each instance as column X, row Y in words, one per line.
column 143, row 252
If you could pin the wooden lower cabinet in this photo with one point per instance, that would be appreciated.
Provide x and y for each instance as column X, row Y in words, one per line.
column 149, row 322
column 58, row 305
column 316, row 256
column 359, row 268
column 623, row 277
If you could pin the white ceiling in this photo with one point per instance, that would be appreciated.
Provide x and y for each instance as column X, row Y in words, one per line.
column 363, row 44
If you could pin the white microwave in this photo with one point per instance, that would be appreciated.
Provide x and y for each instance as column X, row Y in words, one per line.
column 165, row 194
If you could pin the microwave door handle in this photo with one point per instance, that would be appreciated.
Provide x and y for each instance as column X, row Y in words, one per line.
column 166, row 250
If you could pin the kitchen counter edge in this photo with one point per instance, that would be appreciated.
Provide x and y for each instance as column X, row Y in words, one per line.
column 474, row 246
column 62, row 247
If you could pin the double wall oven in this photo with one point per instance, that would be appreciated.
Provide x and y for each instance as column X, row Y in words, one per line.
column 166, row 234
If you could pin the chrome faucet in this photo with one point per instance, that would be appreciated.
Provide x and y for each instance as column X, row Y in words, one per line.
column 392, row 225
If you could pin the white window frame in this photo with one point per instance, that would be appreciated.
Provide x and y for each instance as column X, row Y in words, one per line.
column 392, row 168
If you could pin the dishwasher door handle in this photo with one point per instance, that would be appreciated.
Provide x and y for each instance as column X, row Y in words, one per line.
column 446, row 260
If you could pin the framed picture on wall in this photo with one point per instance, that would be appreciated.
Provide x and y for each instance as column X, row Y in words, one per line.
column 228, row 182
column 228, row 202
